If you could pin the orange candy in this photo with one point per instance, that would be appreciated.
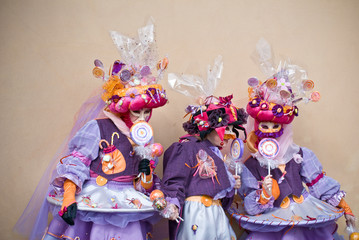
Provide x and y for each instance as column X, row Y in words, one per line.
column 308, row 85
column 162, row 64
column 354, row 236
column 271, row 83
column 155, row 194
column 157, row 150
column 98, row 72
column 315, row 96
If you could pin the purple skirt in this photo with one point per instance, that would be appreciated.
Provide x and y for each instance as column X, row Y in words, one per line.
column 113, row 211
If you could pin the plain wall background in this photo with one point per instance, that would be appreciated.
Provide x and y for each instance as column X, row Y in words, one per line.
column 48, row 47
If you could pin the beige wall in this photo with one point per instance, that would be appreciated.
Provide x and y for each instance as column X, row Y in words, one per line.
column 48, row 47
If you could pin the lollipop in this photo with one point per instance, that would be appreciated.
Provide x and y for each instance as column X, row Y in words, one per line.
column 162, row 64
column 237, row 149
column 141, row 133
column 236, row 153
column 253, row 82
column 268, row 148
column 158, row 199
column 271, row 83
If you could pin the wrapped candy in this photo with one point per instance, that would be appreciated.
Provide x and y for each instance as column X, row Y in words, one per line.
column 158, row 199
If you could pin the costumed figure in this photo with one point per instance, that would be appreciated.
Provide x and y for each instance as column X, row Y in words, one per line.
column 101, row 187
column 277, row 204
column 196, row 181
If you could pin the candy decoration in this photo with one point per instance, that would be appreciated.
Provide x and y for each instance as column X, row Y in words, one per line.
column 308, row 85
column 315, row 96
column 141, row 133
column 157, row 150
column 158, row 199
column 268, row 148
column 284, row 94
column 237, row 148
column 101, row 180
column 145, row 70
column 271, row 83
column 162, row 64
column 98, row 63
column 253, row 82
column 125, row 75
column 354, row 236
column 156, row 194
column 194, row 228
column 117, row 66
column 98, row 72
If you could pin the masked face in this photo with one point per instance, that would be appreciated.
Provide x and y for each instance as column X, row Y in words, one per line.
column 269, row 129
column 140, row 115
column 214, row 138
column 229, row 134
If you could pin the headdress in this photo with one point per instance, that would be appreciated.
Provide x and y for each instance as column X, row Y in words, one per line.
column 276, row 98
column 211, row 113
column 132, row 81
column 214, row 114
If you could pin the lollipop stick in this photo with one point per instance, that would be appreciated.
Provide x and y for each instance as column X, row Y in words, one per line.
column 236, row 172
column 269, row 171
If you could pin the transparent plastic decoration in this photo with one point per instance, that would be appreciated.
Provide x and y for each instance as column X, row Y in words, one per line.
column 286, row 84
column 142, row 50
column 195, row 86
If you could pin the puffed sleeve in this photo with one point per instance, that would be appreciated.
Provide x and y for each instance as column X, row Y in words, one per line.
column 320, row 186
column 175, row 173
column 83, row 149
column 251, row 191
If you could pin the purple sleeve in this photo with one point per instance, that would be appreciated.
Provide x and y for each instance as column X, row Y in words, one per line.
column 251, row 190
column 83, row 148
column 175, row 174
column 320, row 186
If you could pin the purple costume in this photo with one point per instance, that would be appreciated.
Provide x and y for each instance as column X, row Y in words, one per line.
column 105, row 211
column 181, row 180
column 310, row 219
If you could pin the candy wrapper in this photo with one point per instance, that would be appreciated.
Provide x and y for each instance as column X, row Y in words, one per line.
column 160, row 204
column 195, row 86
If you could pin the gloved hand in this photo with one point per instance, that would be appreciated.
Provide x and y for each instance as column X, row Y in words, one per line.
column 144, row 166
column 69, row 207
column 146, row 181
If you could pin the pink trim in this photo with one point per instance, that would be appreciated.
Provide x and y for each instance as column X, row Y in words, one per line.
column 315, row 180
column 81, row 157
column 109, row 149
column 117, row 179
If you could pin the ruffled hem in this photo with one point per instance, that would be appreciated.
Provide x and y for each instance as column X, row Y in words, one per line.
column 311, row 212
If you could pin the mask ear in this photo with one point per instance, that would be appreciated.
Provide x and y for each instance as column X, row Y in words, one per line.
column 220, row 131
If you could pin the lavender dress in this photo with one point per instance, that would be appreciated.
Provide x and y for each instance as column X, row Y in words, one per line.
column 181, row 179
column 109, row 207
column 310, row 217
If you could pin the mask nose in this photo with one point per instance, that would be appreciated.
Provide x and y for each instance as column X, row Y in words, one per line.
column 141, row 116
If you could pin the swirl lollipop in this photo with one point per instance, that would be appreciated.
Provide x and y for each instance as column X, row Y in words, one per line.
column 268, row 148
column 141, row 133
column 237, row 148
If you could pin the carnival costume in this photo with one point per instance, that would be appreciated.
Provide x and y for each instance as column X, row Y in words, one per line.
column 286, row 210
column 195, row 176
column 101, row 187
